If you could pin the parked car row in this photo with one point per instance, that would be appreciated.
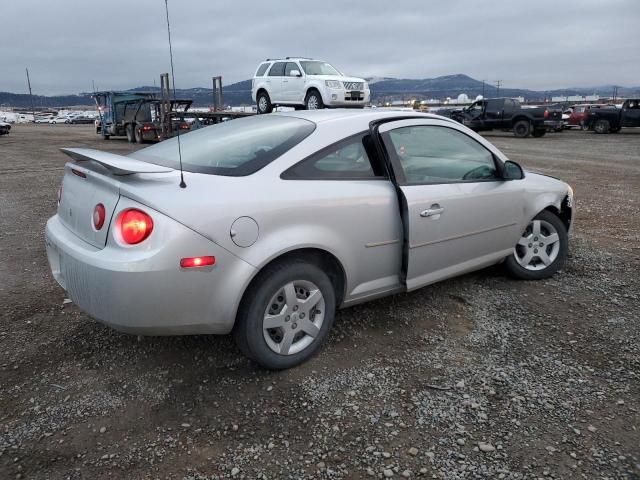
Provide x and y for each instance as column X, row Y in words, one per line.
column 65, row 119
column 508, row 115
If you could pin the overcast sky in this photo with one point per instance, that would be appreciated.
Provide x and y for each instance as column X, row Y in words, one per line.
column 541, row 44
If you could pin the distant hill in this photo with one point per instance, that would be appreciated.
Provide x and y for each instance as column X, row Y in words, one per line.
column 382, row 89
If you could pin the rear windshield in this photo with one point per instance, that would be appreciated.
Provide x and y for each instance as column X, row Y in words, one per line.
column 234, row 148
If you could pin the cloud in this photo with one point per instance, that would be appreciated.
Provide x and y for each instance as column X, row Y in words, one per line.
column 122, row 44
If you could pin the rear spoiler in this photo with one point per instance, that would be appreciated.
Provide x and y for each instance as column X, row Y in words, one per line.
column 118, row 164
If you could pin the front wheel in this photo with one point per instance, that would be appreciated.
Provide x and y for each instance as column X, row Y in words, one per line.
column 313, row 100
column 285, row 315
column 542, row 250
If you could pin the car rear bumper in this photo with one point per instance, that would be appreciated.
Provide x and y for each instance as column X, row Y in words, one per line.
column 146, row 292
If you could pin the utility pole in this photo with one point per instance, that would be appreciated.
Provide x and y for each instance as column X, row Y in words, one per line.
column 33, row 108
column 498, row 83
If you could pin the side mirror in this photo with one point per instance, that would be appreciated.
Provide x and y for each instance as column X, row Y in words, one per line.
column 512, row 171
column 295, row 73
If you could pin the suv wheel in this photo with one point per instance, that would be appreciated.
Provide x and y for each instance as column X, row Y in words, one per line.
column 264, row 103
column 313, row 100
column 286, row 315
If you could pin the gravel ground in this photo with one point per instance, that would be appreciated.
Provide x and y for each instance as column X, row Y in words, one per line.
column 476, row 377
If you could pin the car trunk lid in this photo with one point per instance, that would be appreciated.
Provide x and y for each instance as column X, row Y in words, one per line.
column 95, row 178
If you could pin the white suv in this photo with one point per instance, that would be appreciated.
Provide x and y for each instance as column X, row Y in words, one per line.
column 305, row 83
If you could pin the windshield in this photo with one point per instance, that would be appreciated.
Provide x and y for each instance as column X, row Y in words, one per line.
column 234, row 148
column 318, row 68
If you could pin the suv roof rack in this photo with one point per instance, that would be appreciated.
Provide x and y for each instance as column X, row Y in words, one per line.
column 302, row 58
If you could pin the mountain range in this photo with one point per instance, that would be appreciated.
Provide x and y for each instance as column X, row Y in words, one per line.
column 382, row 90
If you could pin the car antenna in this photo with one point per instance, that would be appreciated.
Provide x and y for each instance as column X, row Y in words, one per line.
column 173, row 81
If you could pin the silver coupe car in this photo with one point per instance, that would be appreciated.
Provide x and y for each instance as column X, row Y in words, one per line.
column 283, row 218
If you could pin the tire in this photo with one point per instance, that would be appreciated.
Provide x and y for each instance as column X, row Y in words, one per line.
column 268, row 297
column 539, row 133
column 522, row 128
column 583, row 127
column 263, row 103
column 602, row 126
column 130, row 135
column 105, row 137
column 138, row 135
column 313, row 100
column 525, row 263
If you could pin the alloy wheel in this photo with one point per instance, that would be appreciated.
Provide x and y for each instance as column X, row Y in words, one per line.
column 262, row 104
column 312, row 103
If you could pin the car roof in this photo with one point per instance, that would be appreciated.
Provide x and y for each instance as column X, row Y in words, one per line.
column 365, row 115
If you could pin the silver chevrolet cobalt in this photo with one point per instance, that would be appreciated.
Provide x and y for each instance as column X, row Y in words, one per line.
column 283, row 218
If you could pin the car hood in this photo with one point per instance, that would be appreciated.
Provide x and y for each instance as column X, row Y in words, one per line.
column 545, row 181
column 336, row 77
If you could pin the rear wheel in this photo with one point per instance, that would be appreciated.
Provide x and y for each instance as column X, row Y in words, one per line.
column 286, row 315
column 522, row 128
column 539, row 133
column 264, row 103
column 138, row 135
column 542, row 249
column 602, row 126
column 313, row 100
column 130, row 135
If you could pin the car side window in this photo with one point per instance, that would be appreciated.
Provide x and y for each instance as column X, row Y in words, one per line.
column 277, row 70
column 290, row 66
column 432, row 154
column 347, row 159
column 261, row 69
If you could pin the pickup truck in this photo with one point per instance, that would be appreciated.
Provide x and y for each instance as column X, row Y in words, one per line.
column 611, row 120
column 508, row 114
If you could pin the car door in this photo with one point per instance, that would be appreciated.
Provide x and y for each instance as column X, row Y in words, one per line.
column 631, row 114
column 274, row 82
column 459, row 214
column 293, row 83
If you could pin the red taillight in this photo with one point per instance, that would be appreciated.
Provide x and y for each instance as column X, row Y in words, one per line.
column 546, row 114
column 60, row 194
column 146, row 128
column 134, row 226
column 98, row 216
column 192, row 262
column 78, row 173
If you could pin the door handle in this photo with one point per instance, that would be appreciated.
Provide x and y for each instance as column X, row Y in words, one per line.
column 434, row 210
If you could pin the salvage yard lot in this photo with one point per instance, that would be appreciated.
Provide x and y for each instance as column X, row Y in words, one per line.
column 477, row 377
